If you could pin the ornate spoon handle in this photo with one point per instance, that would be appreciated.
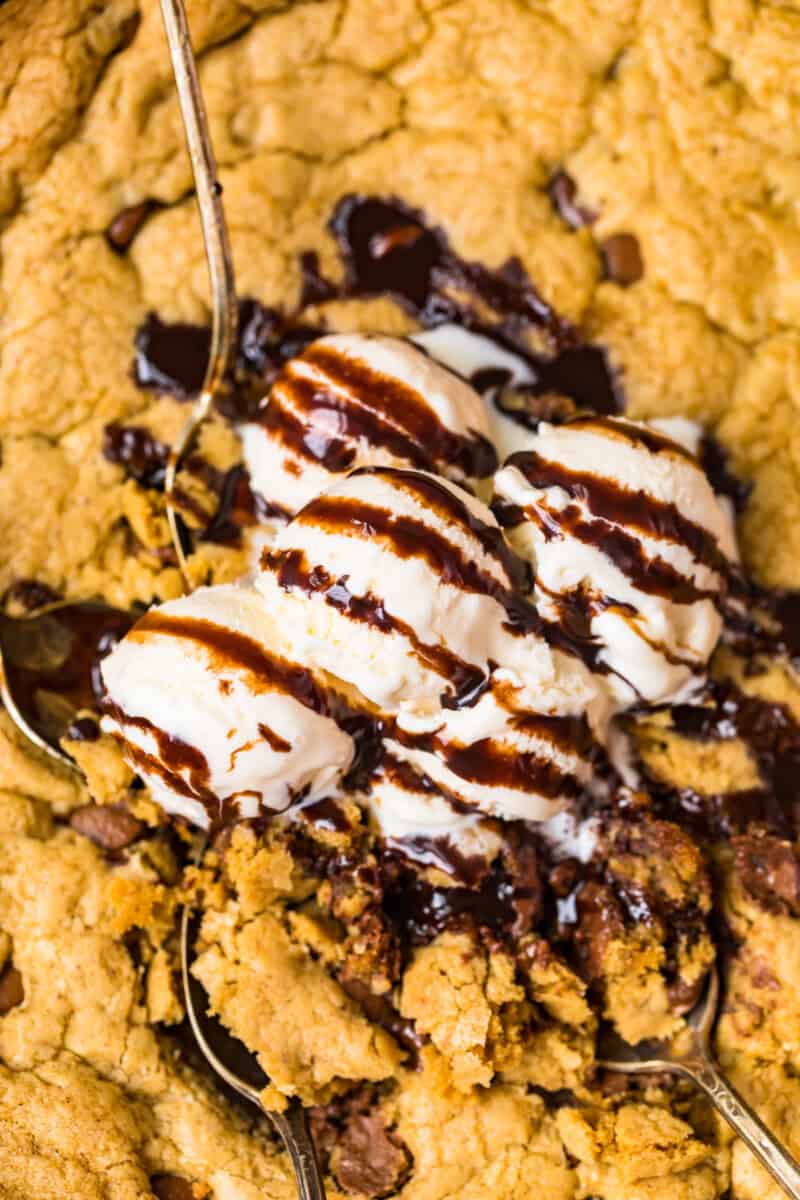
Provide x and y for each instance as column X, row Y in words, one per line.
column 745, row 1122
column 217, row 246
column 292, row 1125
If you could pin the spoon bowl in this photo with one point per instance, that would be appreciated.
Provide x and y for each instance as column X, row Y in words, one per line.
column 238, row 1068
column 49, row 667
column 690, row 1057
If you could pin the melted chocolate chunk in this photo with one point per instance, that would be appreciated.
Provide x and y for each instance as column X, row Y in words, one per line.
column 369, row 1159
column 83, row 729
column 31, row 594
column 622, row 259
column 387, row 249
column 172, row 1187
column 171, row 357
column 52, row 663
column 528, row 407
column 110, row 826
column 134, row 448
column 381, row 1012
column 315, row 288
column 562, row 191
column 769, row 870
column 12, row 990
column 773, row 736
column 127, row 223
column 239, row 507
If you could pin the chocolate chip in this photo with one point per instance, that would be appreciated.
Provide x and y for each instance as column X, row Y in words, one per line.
column 599, row 922
column 12, row 991
column 622, row 259
column 31, row 594
column 111, row 826
column 369, row 1159
column 83, row 729
column 562, row 190
column 172, row 1187
column 134, row 448
column 126, row 225
column 769, row 871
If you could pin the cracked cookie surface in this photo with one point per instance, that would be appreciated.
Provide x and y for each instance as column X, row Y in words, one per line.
column 677, row 129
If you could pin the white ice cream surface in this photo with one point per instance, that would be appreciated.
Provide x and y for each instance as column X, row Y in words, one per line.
column 656, row 645
column 203, row 725
column 469, row 353
column 291, row 478
column 389, row 668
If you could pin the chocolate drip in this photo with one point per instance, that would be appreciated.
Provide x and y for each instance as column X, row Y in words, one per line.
column 447, row 503
column 490, row 763
column 610, row 501
column 293, row 572
column 636, row 435
column 52, row 664
column 508, row 901
column 410, row 538
column 277, row 743
column 183, row 768
column 443, row 854
column 364, row 403
column 326, row 814
column 653, row 576
column 228, row 650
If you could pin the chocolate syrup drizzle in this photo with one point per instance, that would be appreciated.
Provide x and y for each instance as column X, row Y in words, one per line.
column 364, row 404
column 389, row 249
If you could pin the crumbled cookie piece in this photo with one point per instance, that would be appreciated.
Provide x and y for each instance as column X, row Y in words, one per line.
column 262, row 983
column 640, row 1150
column 469, row 1004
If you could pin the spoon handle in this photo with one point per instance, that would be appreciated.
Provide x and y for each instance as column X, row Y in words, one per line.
column 746, row 1123
column 292, row 1125
column 217, row 246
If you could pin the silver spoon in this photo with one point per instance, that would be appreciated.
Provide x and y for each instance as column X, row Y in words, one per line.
column 239, row 1070
column 691, row 1058
column 292, row 1124
column 218, row 253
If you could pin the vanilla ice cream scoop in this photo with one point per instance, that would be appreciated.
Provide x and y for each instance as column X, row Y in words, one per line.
column 510, row 755
column 397, row 582
column 353, row 400
column 212, row 714
column 416, row 818
column 628, row 542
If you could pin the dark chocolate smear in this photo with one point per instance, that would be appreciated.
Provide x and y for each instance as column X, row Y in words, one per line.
column 228, row 650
